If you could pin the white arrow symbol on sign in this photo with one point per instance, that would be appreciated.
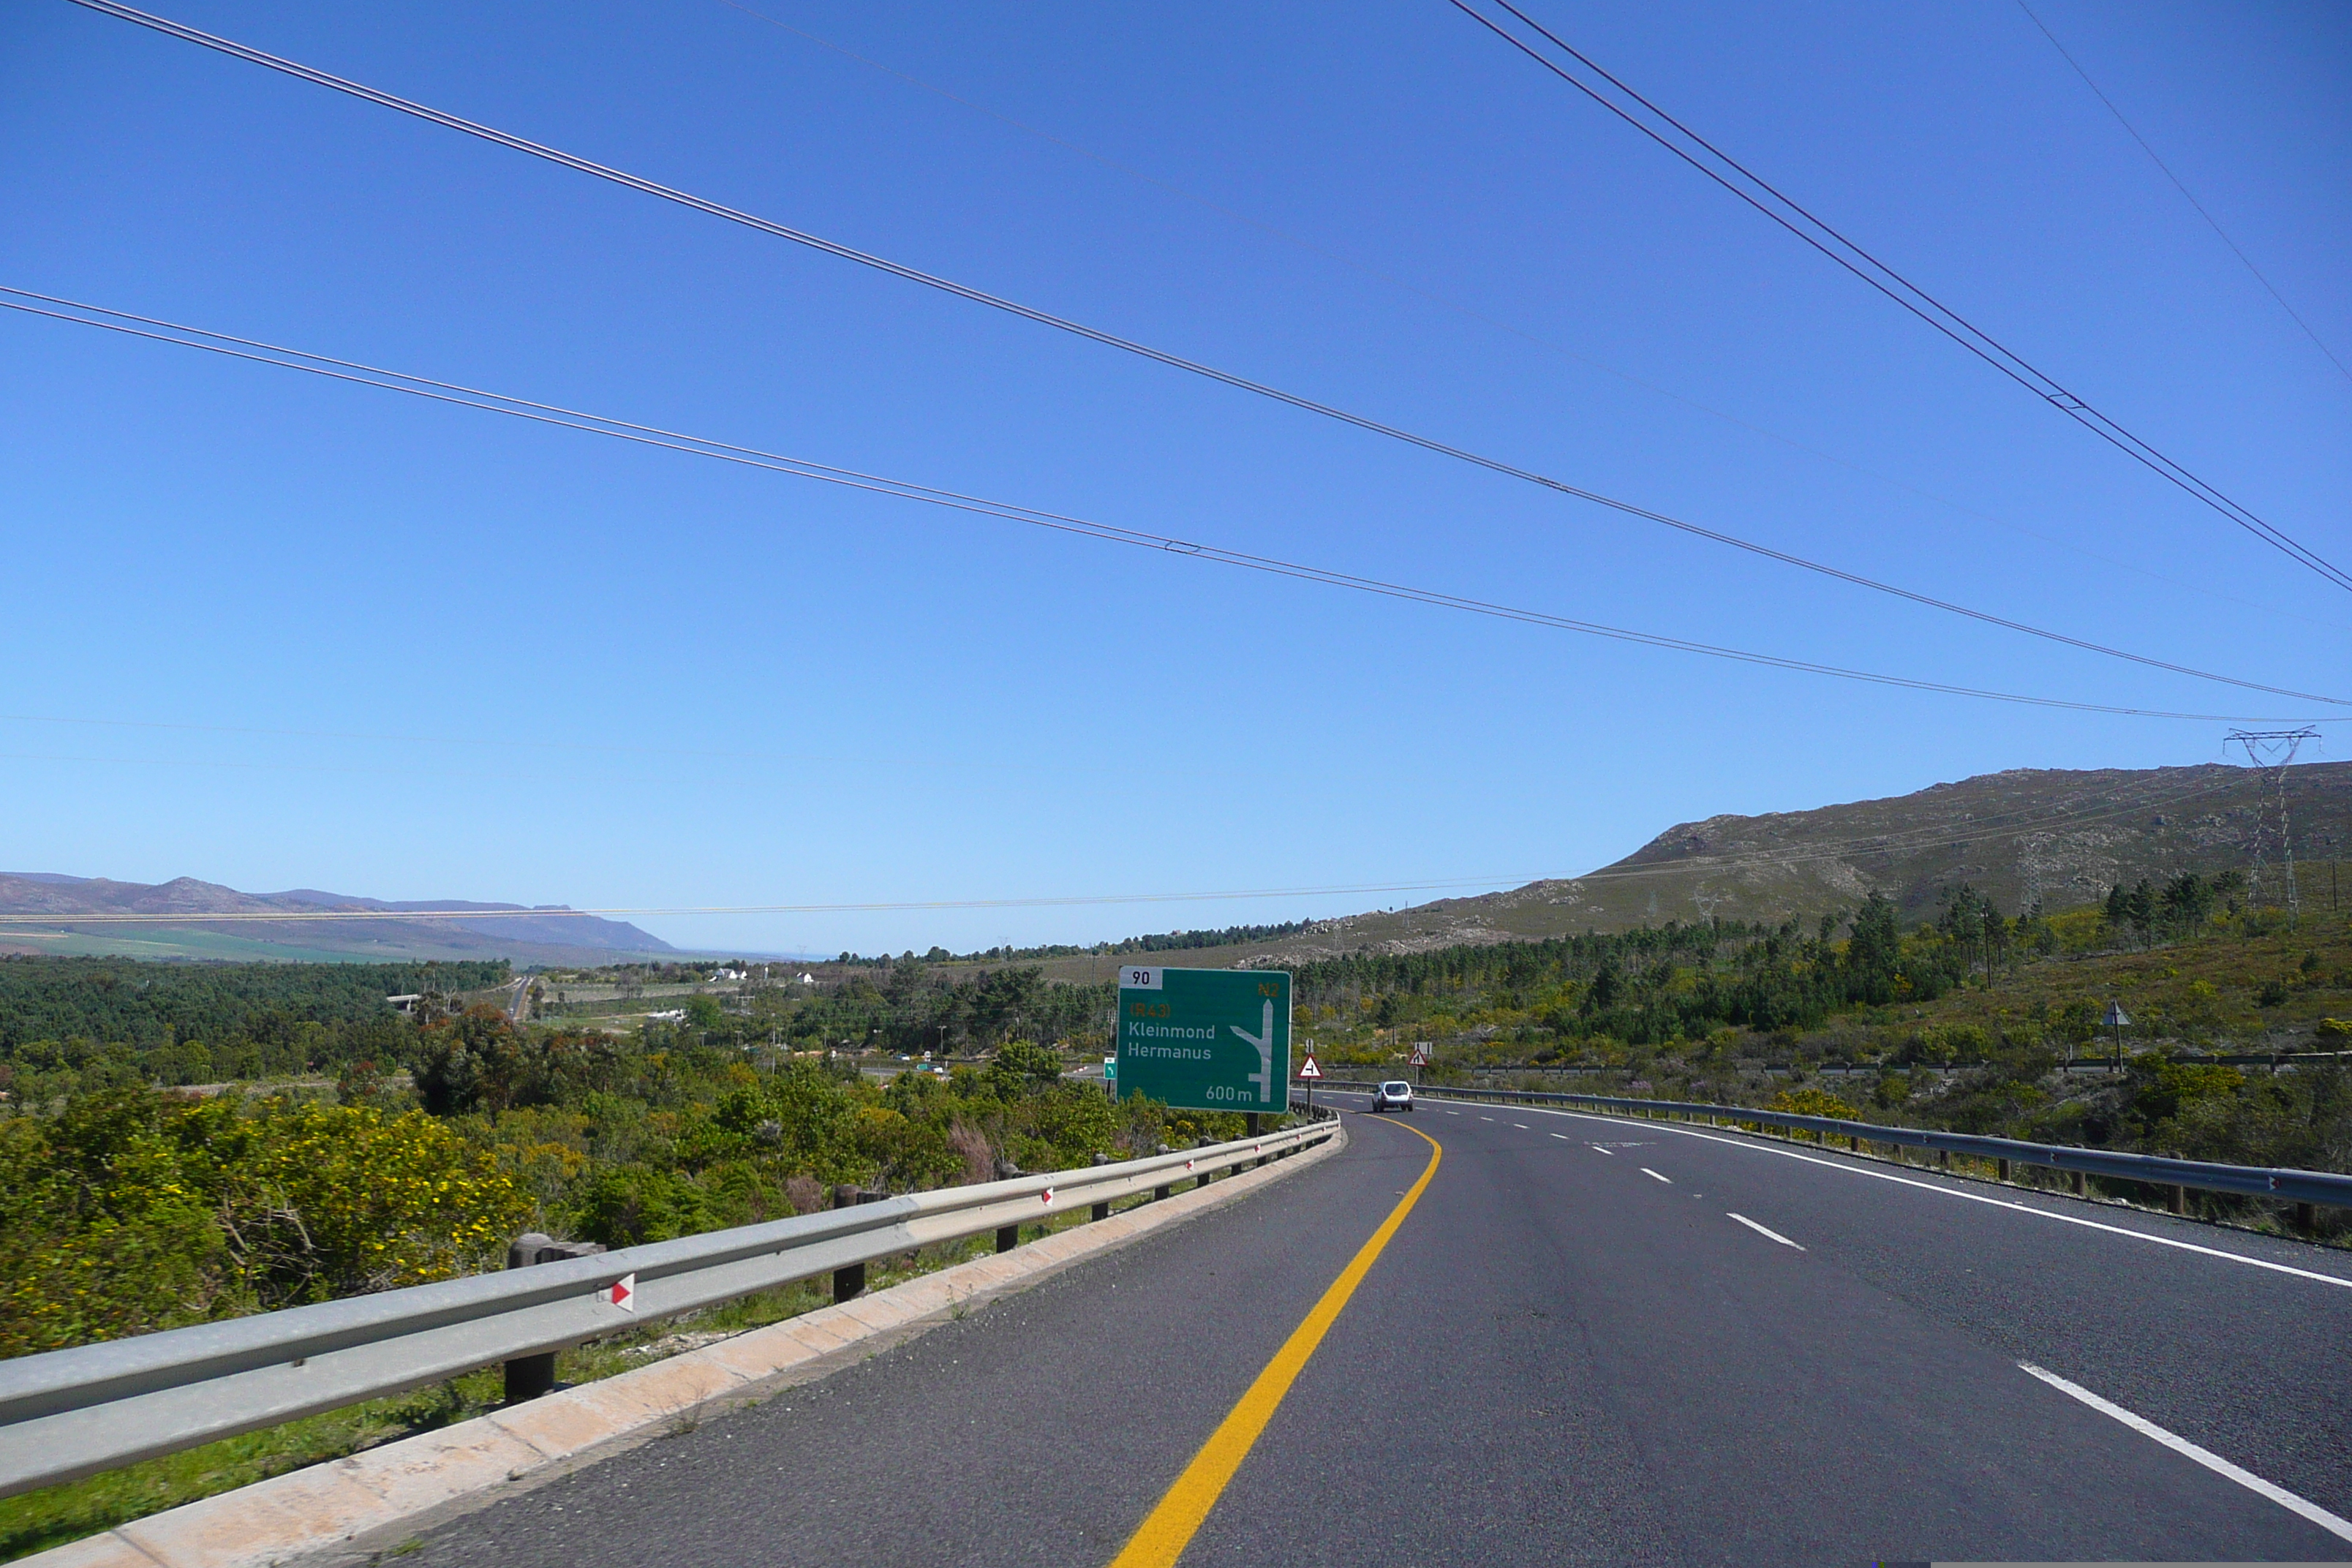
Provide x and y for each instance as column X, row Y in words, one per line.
column 1264, row 1076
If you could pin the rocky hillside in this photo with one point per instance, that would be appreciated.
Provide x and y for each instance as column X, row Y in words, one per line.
column 2063, row 838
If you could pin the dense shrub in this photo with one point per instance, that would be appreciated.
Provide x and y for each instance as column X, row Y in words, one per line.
column 131, row 1211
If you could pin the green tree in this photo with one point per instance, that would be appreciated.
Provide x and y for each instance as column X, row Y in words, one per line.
column 2141, row 908
column 2186, row 903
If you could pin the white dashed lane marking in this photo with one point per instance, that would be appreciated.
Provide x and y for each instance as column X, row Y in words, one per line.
column 1771, row 1235
column 1599, row 1150
column 1655, row 1178
column 1563, row 1136
column 1521, row 1126
column 1955, row 1191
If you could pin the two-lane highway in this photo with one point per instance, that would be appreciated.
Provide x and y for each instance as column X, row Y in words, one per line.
column 1817, row 1359
column 1589, row 1340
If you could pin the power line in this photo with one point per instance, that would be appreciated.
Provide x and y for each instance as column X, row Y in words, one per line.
column 351, row 371
column 273, row 917
column 1766, row 198
column 1063, row 324
column 1936, row 834
column 2186, row 195
column 1446, row 302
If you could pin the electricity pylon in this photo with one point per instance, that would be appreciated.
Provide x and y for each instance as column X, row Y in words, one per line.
column 2273, row 751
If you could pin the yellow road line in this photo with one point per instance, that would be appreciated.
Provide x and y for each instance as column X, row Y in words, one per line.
column 1162, row 1536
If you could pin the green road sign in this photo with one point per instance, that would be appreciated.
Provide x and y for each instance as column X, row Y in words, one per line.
column 1204, row 1039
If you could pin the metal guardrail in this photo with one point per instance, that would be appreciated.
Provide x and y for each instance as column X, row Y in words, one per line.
column 2156, row 1170
column 73, row 1413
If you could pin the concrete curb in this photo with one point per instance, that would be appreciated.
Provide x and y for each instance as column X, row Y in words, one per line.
column 350, row 1509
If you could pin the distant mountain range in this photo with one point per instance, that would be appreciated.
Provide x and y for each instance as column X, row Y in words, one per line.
column 383, row 930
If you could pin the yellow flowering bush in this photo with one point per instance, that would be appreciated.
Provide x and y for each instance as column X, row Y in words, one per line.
column 339, row 1200
column 131, row 1211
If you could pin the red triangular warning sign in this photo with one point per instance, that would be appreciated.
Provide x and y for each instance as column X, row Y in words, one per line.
column 1308, row 1070
column 624, row 1293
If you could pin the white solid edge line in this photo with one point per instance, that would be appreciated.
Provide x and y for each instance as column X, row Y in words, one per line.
column 1972, row 1197
column 2211, row 1460
column 1759, row 1230
column 1655, row 1178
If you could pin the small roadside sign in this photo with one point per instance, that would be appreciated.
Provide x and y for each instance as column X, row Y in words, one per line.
column 1110, row 1068
column 2117, row 1020
column 1308, row 1070
column 1421, row 1053
column 624, row 1293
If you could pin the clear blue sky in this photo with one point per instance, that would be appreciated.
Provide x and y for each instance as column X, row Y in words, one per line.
column 810, row 696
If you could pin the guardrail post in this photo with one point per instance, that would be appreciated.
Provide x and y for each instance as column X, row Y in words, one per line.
column 849, row 1283
column 529, row 1376
column 2180, row 1200
column 2080, row 1184
column 2004, row 1169
column 1102, row 1209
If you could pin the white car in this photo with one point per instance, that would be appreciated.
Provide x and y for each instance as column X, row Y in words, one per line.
column 1394, row 1095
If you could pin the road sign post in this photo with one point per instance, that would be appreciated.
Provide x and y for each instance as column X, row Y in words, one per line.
column 1204, row 1039
column 2117, row 1020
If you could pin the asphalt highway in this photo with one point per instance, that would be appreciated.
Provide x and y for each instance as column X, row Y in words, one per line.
column 1591, row 1341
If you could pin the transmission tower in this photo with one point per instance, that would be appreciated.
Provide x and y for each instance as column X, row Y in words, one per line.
column 2273, row 751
